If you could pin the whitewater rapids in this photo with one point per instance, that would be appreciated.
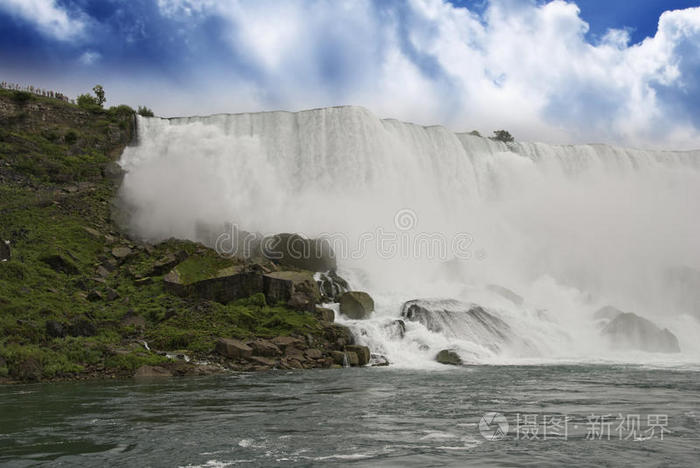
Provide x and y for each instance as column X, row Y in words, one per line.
column 570, row 229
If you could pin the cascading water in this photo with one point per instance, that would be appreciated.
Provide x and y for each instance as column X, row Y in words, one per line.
column 420, row 212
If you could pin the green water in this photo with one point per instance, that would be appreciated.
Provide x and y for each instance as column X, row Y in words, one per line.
column 359, row 417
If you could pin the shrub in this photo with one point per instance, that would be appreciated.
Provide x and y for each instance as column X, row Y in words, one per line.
column 475, row 133
column 71, row 137
column 87, row 101
column 502, row 135
column 21, row 97
column 145, row 111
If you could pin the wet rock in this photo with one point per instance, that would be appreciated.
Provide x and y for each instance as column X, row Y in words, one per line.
column 5, row 252
column 352, row 358
column 60, row 264
column 607, row 313
column 332, row 286
column 448, row 357
column 356, row 305
column 339, row 335
column 396, row 329
column 628, row 331
column 379, row 360
column 324, row 314
column 338, row 357
column 55, row 329
column 298, row 252
column 234, row 349
column 362, row 352
column 152, row 371
column 263, row 361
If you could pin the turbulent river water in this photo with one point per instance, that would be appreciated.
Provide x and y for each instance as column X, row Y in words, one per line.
column 362, row 417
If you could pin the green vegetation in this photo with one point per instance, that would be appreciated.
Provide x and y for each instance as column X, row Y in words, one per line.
column 99, row 95
column 69, row 307
column 145, row 111
column 503, row 136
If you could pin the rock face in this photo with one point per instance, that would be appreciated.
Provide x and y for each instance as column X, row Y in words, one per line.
column 295, row 251
column 449, row 357
column 396, row 329
column 324, row 314
column 356, row 305
column 282, row 286
column 5, row 252
column 456, row 319
column 628, row 331
column 234, row 283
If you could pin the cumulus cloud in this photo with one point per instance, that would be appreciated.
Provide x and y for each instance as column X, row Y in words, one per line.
column 48, row 17
column 525, row 66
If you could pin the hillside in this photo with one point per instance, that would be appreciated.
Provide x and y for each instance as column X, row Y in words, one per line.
column 80, row 299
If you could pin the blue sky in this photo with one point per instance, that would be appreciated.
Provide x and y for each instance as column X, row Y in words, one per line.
column 591, row 70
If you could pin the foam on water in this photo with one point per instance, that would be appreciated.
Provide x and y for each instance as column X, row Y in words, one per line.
column 567, row 228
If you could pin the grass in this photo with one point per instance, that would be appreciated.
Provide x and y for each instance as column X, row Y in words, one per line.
column 55, row 203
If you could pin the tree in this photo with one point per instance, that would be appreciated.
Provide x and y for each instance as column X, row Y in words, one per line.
column 145, row 111
column 475, row 133
column 87, row 101
column 502, row 135
column 100, row 93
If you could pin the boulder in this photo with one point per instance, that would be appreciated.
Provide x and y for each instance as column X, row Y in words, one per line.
column 234, row 349
column 456, row 319
column 362, row 352
column 229, row 284
column 264, row 348
column 352, row 358
column 287, row 342
column 339, row 335
column 607, row 313
column 396, row 329
column 338, row 357
column 295, row 251
column 356, row 305
column 628, row 331
column 121, row 252
column 298, row 287
column 449, row 357
column 332, row 286
column 324, row 314
column 5, row 252
column 152, row 371
column 313, row 353
column 165, row 264
column 60, row 264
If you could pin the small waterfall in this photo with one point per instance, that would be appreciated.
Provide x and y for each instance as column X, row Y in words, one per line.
column 568, row 228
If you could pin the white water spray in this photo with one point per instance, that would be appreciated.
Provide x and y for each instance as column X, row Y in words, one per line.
column 568, row 228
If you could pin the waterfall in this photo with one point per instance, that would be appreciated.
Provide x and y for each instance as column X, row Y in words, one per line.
column 570, row 229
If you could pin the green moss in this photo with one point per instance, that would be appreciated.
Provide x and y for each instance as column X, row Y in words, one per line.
column 203, row 266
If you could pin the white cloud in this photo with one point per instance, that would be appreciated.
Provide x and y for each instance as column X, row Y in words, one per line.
column 521, row 66
column 49, row 18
